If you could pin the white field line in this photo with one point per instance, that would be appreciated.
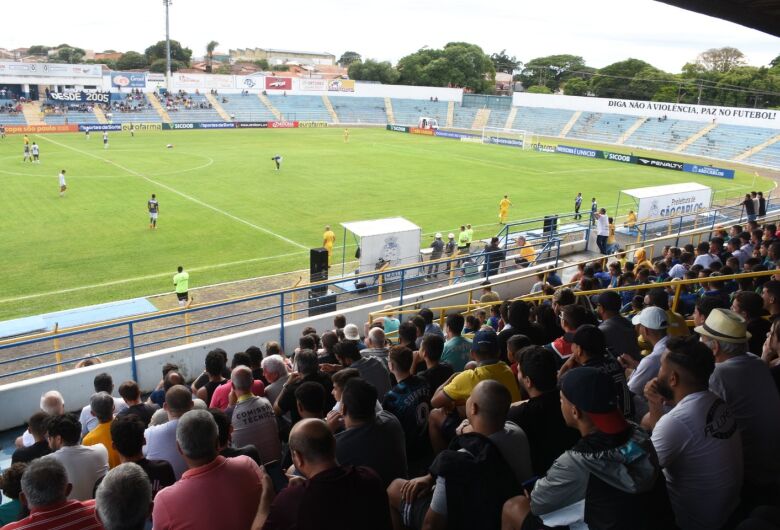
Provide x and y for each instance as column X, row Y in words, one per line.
column 181, row 194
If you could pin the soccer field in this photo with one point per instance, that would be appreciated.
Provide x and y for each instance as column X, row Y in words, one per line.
column 226, row 214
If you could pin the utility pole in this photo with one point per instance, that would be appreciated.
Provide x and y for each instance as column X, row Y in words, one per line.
column 698, row 101
column 167, row 4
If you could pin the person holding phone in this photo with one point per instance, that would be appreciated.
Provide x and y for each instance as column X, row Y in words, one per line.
column 317, row 500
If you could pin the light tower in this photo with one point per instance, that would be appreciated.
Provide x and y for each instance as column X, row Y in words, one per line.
column 167, row 4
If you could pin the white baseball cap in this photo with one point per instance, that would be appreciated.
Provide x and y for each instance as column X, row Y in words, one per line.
column 652, row 318
column 438, row 235
column 351, row 332
column 451, row 235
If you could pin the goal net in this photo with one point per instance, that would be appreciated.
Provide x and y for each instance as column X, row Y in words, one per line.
column 512, row 137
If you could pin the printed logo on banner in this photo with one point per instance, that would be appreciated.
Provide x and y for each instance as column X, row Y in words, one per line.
column 544, row 148
column 618, row 157
column 252, row 124
column 398, row 128
column 40, row 129
column 655, row 162
column 249, row 83
column 578, row 151
column 417, row 130
column 312, row 124
column 81, row 96
column 100, row 127
column 282, row 124
column 216, row 125
column 455, row 135
column 313, row 84
column 505, row 141
column 128, row 79
column 709, row 170
column 142, row 126
column 179, row 125
column 278, row 83
column 341, row 85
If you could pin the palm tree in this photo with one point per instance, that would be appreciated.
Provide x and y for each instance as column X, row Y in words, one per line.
column 210, row 47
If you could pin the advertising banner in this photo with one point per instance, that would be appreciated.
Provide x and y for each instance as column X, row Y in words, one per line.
column 320, row 85
column 674, row 205
column 216, row 125
column 455, row 135
column 252, row 124
column 153, row 79
column 249, row 82
column 544, row 148
column 50, row 69
column 91, row 127
column 142, row 126
column 425, row 132
column 282, row 124
column 504, row 141
column 312, row 124
column 709, row 171
column 278, row 83
column 657, row 162
column 341, row 85
column 128, row 79
column 80, row 97
column 397, row 128
column 40, row 129
column 578, row 151
column 619, row 157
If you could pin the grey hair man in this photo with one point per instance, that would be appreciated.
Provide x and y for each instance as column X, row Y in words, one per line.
column 124, row 498
column 53, row 404
column 45, row 490
column 376, row 345
column 744, row 381
column 253, row 418
column 275, row 372
column 211, row 480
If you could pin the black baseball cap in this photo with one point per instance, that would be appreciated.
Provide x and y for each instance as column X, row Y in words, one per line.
column 590, row 338
column 593, row 392
column 485, row 342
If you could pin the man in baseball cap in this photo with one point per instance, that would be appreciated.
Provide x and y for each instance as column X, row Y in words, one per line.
column 612, row 450
column 437, row 251
column 652, row 325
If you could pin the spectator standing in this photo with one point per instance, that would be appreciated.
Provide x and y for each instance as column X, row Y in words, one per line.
column 437, row 250
column 84, row 465
column 602, row 230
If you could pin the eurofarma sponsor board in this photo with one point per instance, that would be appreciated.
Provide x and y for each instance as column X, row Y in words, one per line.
column 660, row 203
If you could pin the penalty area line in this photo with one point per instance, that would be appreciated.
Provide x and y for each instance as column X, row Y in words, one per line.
column 179, row 193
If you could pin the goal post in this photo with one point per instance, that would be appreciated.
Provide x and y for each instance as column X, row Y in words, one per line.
column 512, row 137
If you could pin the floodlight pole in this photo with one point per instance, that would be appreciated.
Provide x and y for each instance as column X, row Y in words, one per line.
column 167, row 4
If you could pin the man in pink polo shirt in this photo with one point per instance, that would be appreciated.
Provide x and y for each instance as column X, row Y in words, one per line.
column 211, row 481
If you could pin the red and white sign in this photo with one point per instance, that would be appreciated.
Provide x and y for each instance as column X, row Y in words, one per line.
column 278, row 83
column 282, row 124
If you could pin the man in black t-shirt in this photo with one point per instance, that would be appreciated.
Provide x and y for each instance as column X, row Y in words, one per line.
column 37, row 427
column 132, row 395
column 435, row 373
column 540, row 417
column 127, row 434
column 308, row 370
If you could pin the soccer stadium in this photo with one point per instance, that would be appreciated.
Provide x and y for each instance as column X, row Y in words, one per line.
column 528, row 275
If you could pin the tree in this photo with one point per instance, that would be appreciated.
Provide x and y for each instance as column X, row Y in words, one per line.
column 721, row 59
column 539, row 89
column 613, row 81
column 458, row 64
column 372, row 70
column 158, row 66
column 503, row 63
column 38, row 49
column 224, row 69
column 261, row 63
column 552, row 70
column 132, row 61
column 347, row 58
column 67, row 54
column 648, row 81
column 157, row 51
column 576, row 87
column 210, row 47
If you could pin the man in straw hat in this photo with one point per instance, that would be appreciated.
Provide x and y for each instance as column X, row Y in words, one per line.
column 744, row 382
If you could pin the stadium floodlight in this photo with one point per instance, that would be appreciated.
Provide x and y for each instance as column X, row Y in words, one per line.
column 167, row 4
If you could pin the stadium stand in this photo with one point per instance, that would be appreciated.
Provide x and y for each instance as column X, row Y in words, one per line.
column 464, row 117
column 300, row 107
column 8, row 114
column 360, row 110
column 195, row 113
column 663, row 134
column 409, row 111
column 247, row 108
column 600, row 127
column 548, row 122
column 769, row 156
column 728, row 141
column 132, row 108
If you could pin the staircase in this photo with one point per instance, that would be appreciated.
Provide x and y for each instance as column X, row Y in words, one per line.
column 511, row 118
column 334, row 118
column 631, row 130
column 159, row 108
column 32, row 113
column 450, row 113
column 758, row 148
column 270, row 106
column 481, row 119
column 218, row 107
column 570, row 124
column 99, row 114
column 704, row 130
column 389, row 111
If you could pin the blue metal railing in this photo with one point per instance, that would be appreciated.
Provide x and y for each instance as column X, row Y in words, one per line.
column 21, row 358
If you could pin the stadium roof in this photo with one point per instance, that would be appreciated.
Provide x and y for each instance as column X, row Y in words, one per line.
column 660, row 191
column 763, row 15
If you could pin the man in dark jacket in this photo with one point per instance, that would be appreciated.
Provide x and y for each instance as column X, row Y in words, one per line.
column 609, row 479
column 494, row 255
column 618, row 331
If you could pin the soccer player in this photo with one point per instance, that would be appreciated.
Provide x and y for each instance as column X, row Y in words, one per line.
column 181, row 281
column 35, row 153
column 63, row 186
column 26, row 140
column 328, row 238
column 2, row 131
column 132, row 131
column 86, row 133
column 577, row 204
column 278, row 160
column 27, row 155
column 105, row 139
column 346, row 136
column 154, row 208
column 503, row 209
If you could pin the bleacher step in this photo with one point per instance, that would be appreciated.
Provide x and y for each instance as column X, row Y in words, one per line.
column 218, row 107
column 687, row 143
column 758, row 148
column 159, row 108
column 481, row 119
column 389, row 111
column 99, row 114
column 510, row 119
column 631, row 130
column 570, row 124
column 32, row 113
column 450, row 113
column 329, row 106
column 270, row 106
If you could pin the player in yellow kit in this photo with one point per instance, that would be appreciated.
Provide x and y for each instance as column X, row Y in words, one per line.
column 328, row 238
column 503, row 209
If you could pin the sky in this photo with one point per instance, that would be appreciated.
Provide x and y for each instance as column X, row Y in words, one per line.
column 601, row 31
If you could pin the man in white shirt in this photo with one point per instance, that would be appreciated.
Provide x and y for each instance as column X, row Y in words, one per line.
column 102, row 383
column 602, row 230
column 63, row 185
column 83, row 464
column 652, row 324
column 698, row 444
column 745, row 383
column 53, row 404
column 161, row 439
column 703, row 256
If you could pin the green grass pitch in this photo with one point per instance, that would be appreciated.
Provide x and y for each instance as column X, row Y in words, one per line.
column 225, row 214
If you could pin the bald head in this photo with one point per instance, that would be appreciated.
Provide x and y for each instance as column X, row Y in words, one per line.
column 178, row 400
column 242, row 379
column 52, row 403
column 490, row 401
column 313, row 441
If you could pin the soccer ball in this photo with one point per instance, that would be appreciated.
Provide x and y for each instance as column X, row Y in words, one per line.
column 169, row 146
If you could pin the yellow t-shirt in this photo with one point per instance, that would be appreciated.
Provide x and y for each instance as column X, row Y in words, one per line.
column 611, row 236
column 328, row 238
column 631, row 220
column 504, row 204
column 463, row 384
column 102, row 435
